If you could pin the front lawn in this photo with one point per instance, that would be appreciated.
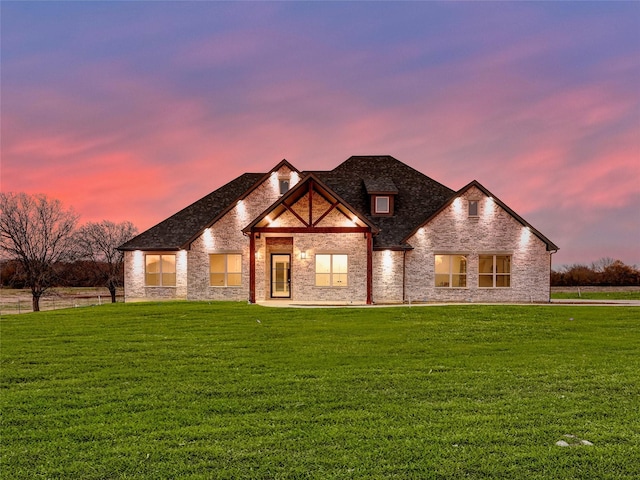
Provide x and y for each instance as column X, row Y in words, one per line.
column 200, row 391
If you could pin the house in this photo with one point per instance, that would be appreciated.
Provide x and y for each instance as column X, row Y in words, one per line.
column 372, row 230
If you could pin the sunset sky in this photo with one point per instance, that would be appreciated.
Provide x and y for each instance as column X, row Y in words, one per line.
column 133, row 110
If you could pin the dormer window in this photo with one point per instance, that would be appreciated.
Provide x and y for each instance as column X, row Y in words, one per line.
column 284, row 182
column 382, row 192
column 381, row 205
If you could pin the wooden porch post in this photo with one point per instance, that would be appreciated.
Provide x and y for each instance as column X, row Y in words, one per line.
column 369, row 268
column 252, row 268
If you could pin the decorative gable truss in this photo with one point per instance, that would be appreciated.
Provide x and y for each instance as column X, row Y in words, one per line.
column 311, row 207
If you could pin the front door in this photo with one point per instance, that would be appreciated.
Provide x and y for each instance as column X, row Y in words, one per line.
column 280, row 275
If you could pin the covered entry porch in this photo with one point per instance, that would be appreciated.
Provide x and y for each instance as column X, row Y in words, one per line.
column 310, row 246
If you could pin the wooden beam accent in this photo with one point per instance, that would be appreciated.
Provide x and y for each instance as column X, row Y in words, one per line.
column 252, row 268
column 311, row 184
column 311, row 229
column 296, row 215
column 333, row 205
column 369, row 268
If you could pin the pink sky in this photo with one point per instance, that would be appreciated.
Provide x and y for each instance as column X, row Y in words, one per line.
column 131, row 111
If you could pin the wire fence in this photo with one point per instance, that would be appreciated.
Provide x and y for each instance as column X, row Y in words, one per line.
column 17, row 303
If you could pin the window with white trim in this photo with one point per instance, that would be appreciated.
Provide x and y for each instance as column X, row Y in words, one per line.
column 331, row 269
column 225, row 269
column 382, row 205
column 494, row 271
column 160, row 270
column 451, row 271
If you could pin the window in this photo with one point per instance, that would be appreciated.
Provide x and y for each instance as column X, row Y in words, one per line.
column 284, row 185
column 225, row 269
column 473, row 208
column 331, row 270
column 451, row 271
column 382, row 205
column 160, row 271
column 494, row 271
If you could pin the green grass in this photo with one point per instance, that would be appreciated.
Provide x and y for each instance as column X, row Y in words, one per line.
column 602, row 295
column 199, row 391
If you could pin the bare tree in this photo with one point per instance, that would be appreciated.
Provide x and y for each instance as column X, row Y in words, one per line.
column 602, row 264
column 98, row 243
column 38, row 232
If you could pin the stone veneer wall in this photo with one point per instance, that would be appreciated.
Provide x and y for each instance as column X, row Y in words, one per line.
column 134, row 278
column 303, row 270
column 494, row 231
column 133, row 275
column 387, row 276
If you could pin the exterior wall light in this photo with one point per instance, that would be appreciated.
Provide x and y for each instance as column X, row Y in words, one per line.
column 387, row 262
column 303, row 255
column 138, row 262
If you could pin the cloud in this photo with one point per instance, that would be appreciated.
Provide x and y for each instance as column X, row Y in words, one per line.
column 538, row 102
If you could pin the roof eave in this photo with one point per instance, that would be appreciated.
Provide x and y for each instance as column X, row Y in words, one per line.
column 393, row 248
column 124, row 248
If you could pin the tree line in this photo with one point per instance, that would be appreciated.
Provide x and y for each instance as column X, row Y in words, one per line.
column 42, row 246
column 604, row 272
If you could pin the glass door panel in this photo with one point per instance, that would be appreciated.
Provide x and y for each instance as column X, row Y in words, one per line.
column 281, row 275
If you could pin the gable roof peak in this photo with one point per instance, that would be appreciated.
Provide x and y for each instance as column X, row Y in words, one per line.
column 475, row 183
column 283, row 163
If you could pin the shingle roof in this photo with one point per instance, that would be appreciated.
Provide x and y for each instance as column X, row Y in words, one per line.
column 417, row 199
column 176, row 231
column 380, row 185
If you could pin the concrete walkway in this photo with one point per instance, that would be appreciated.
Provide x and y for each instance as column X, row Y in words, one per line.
column 580, row 301
column 553, row 302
